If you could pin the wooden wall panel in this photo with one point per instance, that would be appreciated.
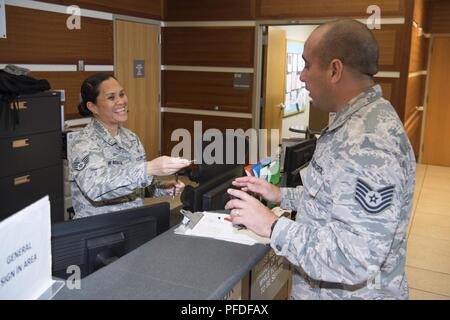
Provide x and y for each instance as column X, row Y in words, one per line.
column 172, row 121
column 208, row 46
column 391, row 42
column 71, row 83
column 420, row 12
column 205, row 90
column 415, row 94
column 412, row 128
column 42, row 37
column 152, row 9
column 439, row 16
column 390, row 90
column 207, row 10
column 419, row 51
column 282, row 9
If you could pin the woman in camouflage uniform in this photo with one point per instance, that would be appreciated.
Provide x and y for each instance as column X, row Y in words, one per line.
column 108, row 167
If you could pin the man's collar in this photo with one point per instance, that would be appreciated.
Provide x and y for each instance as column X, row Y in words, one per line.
column 364, row 98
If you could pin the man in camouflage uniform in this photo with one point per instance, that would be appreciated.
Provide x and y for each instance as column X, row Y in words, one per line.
column 353, row 210
column 108, row 173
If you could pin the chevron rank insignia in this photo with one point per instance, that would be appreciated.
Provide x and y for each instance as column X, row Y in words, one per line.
column 373, row 201
column 79, row 165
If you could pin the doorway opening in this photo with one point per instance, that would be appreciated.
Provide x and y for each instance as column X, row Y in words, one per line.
column 284, row 101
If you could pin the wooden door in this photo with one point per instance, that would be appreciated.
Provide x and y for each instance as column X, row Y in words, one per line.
column 274, row 88
column 140, row 41
column 436, row 143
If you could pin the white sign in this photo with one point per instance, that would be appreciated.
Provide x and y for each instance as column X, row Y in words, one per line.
column 25, row 252
column 2, row 19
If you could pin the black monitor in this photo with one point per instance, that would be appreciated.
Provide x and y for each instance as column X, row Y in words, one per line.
column 96, row 241
column 210, row 194
column 216, row 198
column 234, row 155
column 296, row 158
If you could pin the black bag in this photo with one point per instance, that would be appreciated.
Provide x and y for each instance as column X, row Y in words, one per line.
column 11, row 86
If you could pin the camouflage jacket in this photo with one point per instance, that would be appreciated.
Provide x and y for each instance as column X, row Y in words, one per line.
column 108, row 174
column 353, row 210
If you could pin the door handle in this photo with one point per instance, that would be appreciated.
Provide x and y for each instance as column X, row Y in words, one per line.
column 419, row 108
column 282, row 106
column 22, row 180
column 20, row 105
column 21, row 143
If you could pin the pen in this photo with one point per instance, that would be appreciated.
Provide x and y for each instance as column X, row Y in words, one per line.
column 175, row 187
column 239, row 226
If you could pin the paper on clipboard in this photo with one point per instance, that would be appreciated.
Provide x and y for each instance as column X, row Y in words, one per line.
column 213, row 225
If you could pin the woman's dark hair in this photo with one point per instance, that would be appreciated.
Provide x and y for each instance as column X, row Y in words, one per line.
column 89, row 92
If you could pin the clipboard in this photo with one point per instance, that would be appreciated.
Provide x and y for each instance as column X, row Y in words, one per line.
column 212, row 224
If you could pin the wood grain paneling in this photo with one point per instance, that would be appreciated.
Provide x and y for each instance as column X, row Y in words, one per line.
column 209, row 46
column 207, row 10
column 437, row 123
column 412, row 128
column 42, row 37
column 390, row 90
column 71, row 83
column 420, row 12
column 415, row 93
column 205, row 90
column 147, row 9
column 391, row 43
column 439, row 16
column 419, row 50
column 173, row 121
column 404, row 50
column 140, row 41
column 281, row 9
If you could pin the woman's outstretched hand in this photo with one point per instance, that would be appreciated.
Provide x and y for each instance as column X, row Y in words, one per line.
column 165, row 166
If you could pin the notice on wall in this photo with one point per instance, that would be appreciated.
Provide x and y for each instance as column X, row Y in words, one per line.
column 2, row 19
column 25, row 253
column 139, row 68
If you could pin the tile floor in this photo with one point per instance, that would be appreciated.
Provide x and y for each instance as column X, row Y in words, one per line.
column 428, row 255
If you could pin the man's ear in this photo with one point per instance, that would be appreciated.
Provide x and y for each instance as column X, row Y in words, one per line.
column 337, row 68
column 92, row 107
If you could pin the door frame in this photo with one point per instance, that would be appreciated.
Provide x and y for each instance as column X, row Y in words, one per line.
column 259, row 45
column 151, row 22
column 427, row 86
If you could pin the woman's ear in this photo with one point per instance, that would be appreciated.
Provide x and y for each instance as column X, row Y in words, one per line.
column 92, row 107
column 336, row 70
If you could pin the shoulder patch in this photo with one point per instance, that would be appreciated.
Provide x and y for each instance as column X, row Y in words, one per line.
column 80, row 164
column 373, row 201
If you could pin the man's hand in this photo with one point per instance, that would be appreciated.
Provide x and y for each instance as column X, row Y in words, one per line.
column 165, row 166
column 250, row 212
column 261, row 187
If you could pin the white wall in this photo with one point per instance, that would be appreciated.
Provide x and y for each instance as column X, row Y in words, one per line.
column 299, row 33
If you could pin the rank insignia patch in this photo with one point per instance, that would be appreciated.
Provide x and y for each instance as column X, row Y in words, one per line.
column 373, row 201
column 80, row 164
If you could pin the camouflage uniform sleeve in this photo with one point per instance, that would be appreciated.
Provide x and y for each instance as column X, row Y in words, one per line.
column 367, row 193
column 157, row 189
column 290, row 197
column 98, row 181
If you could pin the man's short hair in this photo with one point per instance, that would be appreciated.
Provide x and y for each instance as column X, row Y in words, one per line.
column 351, row 42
